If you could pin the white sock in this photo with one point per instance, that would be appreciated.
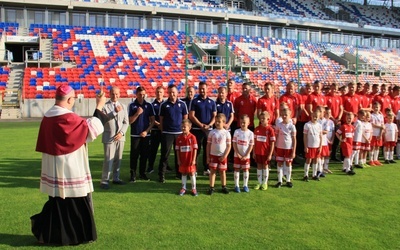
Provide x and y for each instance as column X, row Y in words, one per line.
column 289, row 173
column 356, row 156
column 314, row 169
column 352, row 157
column 236, row 176
column 326, row 163
column 193, row 181
column 376, row 154
column 280, row 174
column 348, row 164
column 284, row 169
column 386, row 155
column 245, row 178
column 391, row 155
column 184, row 180
column 372, row 155
column 266, row 176
column 306, row 169
column 259, row 175
column 319, row 161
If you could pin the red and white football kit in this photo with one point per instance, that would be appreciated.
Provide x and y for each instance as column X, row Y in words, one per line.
column 243, row 140
column 186, row 146
column 314, row 136
column 219, row 139
column 284, row 142
column 347, row 133
column 263, row 137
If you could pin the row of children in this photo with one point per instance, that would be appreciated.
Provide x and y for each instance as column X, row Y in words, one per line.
column 357, row 137
column 219, row 143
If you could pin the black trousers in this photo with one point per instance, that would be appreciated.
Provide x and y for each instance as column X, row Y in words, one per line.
column 201, row 138
column 232, row 151
column 300, row 138
column 155, row 140
column 167, row 141
column 139, row 148
column 335, row 144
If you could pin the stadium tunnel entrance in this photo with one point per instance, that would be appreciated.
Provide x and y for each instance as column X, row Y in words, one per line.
column 19, row 50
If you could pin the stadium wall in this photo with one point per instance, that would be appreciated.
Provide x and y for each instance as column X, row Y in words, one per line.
column 36, row 108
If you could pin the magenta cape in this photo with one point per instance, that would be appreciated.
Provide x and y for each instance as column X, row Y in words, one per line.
column 63, row 134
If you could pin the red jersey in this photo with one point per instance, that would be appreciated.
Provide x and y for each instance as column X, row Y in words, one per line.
column 351, row 103
column 384, row 100
column 315, row 100
column 232, row 96
column 347, row 133
column 263, row 137
column 245, row 106
column 365, row 100
column 396, row 104
column 303, row 117
column 269, row 104
column 292, row 101
column 186, row 146
column 371, row 97
column 334, row 101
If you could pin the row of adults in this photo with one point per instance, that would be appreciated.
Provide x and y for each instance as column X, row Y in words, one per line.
column 159, row 122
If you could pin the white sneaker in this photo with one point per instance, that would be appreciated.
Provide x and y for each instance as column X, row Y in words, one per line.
column 206, row 173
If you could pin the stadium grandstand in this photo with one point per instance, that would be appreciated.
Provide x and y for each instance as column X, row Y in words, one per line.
column 95, row 44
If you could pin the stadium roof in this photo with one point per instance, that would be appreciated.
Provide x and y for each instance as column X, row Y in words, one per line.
column 396, row 3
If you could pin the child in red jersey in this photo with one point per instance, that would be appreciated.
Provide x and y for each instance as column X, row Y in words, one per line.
column 186, row 150
column 264, row 143
column 345, row 135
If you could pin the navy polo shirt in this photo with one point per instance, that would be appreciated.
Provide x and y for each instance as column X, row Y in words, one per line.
column 143, row 121
column 225, row 108
column 156, row 106
column 203, row 109
column 187, row 101
column 172, row 114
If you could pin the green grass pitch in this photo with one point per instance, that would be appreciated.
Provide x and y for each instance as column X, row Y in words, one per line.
column 338, row 212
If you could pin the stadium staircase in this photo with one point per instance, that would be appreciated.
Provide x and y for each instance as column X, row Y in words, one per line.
column 46, row 49
column 11, row 107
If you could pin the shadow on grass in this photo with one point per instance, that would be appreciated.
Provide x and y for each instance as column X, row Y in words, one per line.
column 17, row 172
column 15, row 240
column 171, row 186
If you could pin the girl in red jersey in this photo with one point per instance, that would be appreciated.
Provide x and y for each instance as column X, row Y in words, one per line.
column 264, row 143
column 186, row 150
column 345, row 135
